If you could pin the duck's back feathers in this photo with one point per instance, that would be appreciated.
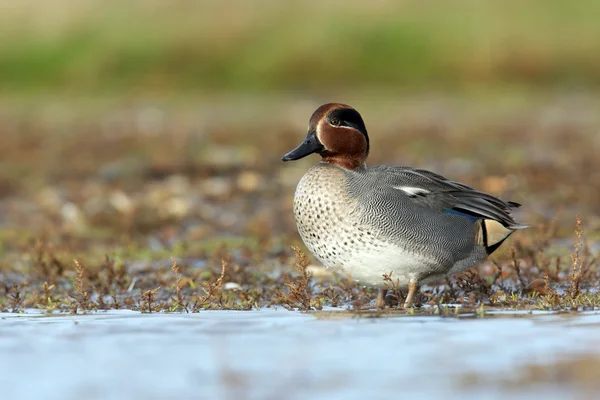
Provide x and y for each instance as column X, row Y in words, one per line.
column 430, row 190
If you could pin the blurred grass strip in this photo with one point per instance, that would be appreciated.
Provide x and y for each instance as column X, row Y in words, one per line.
column 105, row 46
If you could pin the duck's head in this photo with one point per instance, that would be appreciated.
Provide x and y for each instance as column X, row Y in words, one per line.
column 338, row 134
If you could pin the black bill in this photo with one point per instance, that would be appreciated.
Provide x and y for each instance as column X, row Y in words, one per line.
column 309, row 146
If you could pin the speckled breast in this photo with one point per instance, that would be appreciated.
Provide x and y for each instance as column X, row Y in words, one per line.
column 326, row 216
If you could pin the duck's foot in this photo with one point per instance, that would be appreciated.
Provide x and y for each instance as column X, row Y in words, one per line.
column 413, row 288
column 380, row 301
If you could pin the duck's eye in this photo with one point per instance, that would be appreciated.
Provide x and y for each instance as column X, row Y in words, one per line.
column 334, row 121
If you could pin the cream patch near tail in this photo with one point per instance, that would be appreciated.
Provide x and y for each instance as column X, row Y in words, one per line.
column 492, row 234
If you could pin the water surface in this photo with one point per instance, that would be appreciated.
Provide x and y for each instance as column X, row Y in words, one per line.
column 275, row 354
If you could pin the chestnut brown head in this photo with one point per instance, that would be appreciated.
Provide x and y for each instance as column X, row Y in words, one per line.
column 338, row 134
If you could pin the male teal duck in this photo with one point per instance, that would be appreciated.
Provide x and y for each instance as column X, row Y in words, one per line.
column 372, row 221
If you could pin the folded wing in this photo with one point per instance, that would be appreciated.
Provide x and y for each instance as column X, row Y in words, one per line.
column 431, row 190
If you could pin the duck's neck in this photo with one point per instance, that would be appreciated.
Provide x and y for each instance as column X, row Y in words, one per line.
column 351, row 163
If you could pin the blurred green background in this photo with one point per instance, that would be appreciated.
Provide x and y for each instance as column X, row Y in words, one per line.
column 112, row 47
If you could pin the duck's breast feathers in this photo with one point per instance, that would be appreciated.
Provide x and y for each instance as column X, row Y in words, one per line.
column 435, row 192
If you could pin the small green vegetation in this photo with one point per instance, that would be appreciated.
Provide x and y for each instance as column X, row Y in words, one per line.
column 228, row 282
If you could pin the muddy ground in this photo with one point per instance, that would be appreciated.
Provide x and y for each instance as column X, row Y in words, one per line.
column 99, row 200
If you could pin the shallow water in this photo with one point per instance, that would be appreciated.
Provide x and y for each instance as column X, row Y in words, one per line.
column 274, row 354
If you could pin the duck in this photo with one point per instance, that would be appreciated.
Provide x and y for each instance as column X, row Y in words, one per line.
column 409, row 224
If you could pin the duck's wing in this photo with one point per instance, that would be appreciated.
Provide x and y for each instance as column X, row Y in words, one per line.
column 434, row 191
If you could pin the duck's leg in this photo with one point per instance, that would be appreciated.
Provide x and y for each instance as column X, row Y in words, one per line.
column 413, row 288
column 380, row 302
